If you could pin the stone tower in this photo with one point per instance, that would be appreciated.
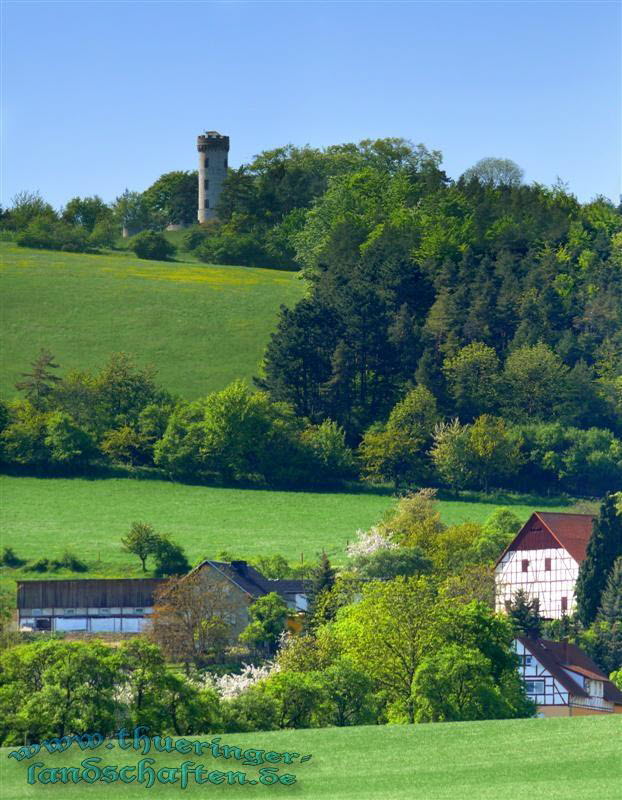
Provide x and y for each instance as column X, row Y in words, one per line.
column 213, row 150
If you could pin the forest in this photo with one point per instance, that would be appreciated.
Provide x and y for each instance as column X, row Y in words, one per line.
column 463, row 333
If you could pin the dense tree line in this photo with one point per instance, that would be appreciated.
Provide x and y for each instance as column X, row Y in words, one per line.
column 88, row 224
column 120, row 415
column 503, row 300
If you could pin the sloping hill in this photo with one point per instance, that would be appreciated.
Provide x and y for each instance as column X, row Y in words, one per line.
column 201, row 326
column 41, row 517
column 555, row 759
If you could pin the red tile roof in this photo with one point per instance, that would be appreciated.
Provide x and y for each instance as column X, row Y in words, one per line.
column 572, row 531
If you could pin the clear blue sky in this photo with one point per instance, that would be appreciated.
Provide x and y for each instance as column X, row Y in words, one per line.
column 99, row 96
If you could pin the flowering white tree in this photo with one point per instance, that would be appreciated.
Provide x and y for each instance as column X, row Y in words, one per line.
column 369, row 542
column 234, row 684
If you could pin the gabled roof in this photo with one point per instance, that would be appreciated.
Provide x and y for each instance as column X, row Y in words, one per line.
column 557, row 657
column 252, row 581
column 571, row 531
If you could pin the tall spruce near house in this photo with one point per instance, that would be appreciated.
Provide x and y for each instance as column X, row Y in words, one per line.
column 213, row 150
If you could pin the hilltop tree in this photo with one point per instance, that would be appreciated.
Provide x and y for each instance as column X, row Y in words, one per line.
column 131, row 211
column 495, row 172
column 604, row 546
column 174, row 197
column 86, row 212
column 39, row 384
column 142, row 540
column 26, row 207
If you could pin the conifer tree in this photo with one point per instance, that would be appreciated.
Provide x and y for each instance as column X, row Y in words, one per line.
column 604, row 547
column 610, row 610
column 323, row 576
column 39, row 384
column 525, row 614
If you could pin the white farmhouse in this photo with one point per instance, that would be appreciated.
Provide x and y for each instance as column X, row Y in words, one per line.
column 543, row 560
column 563, row 681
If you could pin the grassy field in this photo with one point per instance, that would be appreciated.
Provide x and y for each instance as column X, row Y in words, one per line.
column 554, row 759
column 201, row 326
column 41, row 517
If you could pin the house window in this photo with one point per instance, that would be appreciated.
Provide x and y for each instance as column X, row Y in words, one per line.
column 547, row 564
column 70, row 611
column 534, row 687
column 225, row 163
column 594, row 688
column 140, row 610
column 206, row 163
column 564, row 604
column 528, row 661
column 206, row 202
column 206, row 184
column 525, row 565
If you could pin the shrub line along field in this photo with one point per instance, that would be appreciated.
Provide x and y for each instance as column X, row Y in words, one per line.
column 547, row 759
column 43, row 516
column 201, row 326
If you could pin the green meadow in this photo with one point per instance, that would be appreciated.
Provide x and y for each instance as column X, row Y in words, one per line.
column 43, row 516
column 547, row 759
column 201, row 326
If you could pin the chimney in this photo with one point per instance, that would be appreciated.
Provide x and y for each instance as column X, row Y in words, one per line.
column 565, row 649
column 239, row 566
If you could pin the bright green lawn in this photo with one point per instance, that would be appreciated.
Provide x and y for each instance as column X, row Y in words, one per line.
column 556, row 759
column 201, row 326
column 40, row 517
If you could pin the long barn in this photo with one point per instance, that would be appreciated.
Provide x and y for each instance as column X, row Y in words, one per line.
column 117, row 605
column 123, row 605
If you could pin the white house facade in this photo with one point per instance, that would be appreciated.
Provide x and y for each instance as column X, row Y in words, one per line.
column 543, row 560
column 563, row 681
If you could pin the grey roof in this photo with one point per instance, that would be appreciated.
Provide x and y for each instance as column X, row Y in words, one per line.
column 125, row 592
column 252, row 581
column 87, row 593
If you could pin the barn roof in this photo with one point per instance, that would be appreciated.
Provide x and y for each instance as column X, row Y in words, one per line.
column 87, row 593
column 571, row 531
column 252, row 581
column 139, row 592
column 557, row 657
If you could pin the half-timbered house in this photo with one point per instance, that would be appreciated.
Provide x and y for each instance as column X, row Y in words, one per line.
column 563, row 681
column 543, row 559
